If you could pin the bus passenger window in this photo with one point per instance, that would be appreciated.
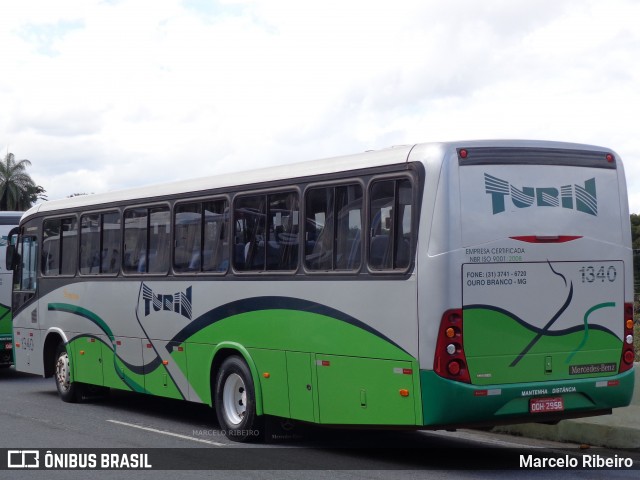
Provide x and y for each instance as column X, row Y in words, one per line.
column 50, row 262
column 100, row 243
column 111, row 238
column 90, row 244
column 147, row 240
column 159, row 240
column 282, row 238
column 59, row 246
column 318, row 249
column 249, row 232
column 215, row 249
column 266, row 232
column 333, row 228
column 135, row 241
column 27, row 262
column 201, row 243
column 348, row 231
column 390, row 224
column 69, row 251
column 188, row 235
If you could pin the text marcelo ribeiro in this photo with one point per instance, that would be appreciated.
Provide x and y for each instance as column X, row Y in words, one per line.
column 568, row 461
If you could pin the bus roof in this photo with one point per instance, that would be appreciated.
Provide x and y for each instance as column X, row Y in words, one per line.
column 368, row 159
column 315, row 167
column 10, row 217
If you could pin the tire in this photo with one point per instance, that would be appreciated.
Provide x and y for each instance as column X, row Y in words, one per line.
column 68, row 391
column 235, row 401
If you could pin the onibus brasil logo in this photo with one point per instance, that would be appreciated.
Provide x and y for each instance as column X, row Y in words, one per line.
column 574, row 197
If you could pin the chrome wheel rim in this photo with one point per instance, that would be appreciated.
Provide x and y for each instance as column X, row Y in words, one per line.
column 234, row 399
column 63, row 378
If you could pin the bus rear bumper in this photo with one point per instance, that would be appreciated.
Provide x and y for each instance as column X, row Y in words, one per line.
column 449, row 404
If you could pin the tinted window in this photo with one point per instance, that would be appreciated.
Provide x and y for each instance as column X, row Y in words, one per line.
column 51, row 247
column 100, row 243
column 201, row 232
column 266, row 232
column 333, row 235
column 135, row 241
column 147, row 240
column 390, row 223
column 111, row 243
column 215, row 235
column 59, row 246
column 90, row 244
column 159, row 240
column 27, row 261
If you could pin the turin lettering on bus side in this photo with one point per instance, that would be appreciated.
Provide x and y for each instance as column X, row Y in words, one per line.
column 578, row 197
column 179, row 302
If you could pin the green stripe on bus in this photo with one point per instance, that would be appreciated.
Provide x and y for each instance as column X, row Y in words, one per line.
column 493, row 339
column 5, row 320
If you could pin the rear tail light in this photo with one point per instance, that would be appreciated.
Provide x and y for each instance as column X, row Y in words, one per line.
column 628, row 355
column 450, row 361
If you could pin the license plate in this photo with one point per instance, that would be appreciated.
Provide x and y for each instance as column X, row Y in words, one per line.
column 550, row 404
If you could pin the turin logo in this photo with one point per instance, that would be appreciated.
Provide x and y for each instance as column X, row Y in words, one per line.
column 574, row 197
column 177, row 302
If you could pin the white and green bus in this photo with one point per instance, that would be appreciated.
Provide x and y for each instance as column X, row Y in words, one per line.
column 8, row 220
column 424, row 287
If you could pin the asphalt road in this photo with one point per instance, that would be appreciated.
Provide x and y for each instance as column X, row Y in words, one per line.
column 32, row 417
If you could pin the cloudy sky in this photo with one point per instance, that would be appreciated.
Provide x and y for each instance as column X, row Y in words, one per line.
column 108, row 94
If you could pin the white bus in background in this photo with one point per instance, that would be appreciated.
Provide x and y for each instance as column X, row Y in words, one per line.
column 8, row 220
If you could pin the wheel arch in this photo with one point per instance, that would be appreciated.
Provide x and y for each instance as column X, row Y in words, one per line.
column 53, row 338
column 226, row 349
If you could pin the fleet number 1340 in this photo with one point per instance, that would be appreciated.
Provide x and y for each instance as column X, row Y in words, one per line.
column 593, row 274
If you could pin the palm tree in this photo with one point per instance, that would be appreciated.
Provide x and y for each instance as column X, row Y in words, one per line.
column 18, row 191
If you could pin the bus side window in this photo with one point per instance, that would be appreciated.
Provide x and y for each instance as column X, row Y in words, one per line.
column 59, row 246
column 266, row 232
column 100, row 243
column 348, row 232
column 188, row 235
column 27, row 263
column 135, row 240
column 333, row 228
column 89, row 244
column 318, row 251
column 390, row 220
column 201, row 243
column 215, row 256
column 249, row 232
column 111, row 237
column 283, row 232
column 159, row 240
column 50, row 262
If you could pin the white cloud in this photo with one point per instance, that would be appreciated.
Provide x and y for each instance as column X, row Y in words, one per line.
column 106, row 94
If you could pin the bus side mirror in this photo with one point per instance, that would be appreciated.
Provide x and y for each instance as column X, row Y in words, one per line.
column 10, row 257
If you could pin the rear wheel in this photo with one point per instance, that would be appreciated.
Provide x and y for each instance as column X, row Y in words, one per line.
column 67, row 390
column 235, row 401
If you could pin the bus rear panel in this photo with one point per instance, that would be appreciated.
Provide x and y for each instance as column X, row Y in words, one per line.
column 541, row 327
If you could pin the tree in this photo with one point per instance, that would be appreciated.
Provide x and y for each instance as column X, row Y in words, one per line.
column 18, row 191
